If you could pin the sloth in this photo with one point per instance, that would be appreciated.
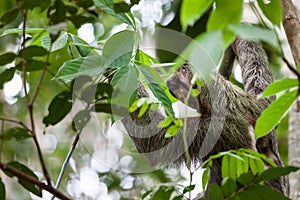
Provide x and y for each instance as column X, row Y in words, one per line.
column 228, row 117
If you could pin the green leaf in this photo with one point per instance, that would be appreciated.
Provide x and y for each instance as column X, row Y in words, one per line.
column 57, row 12
column 275, row 172
column 79, row 20
column 256, row 165
column 59, row 107
column 188, row 188
column 154, row 83
column 154, row 106
column 81, row 119
column 82, row 47
column 265, row 192
column 8, row 17
column 80, row 81
column 59, row 43
column 31, row 65
column 255, row 155
column 134, row 106
column 121, row 7
column 85, row 3
column 143, row 109
column 29, row 186
column 274, row 113
column 145, row 58
column 146, row 194
column 272, row 10
column 224, row 14
column 16, row 133
column 124, row 74
column 229, row 186
column 192, row 10
column 246, row 195
column 102, row 107
column 163, row 193
column 205, row 178
column 195, row 92
column 108, row 7
column 254, row 32
column 90, row 65
column 165, row 123
column 33, row 51
column 178, row 197
column 7, row 58
column 6, row 76
column 88, row 94
column 246, row 178
column 178, row 122
column 103, row 91
column 242, row 166
column 20, row 30
column 2, row 190
column 117, row 50
column 228, row 167
column 204, row 54
column 172, row 131
column 125, row 83
column 71, row 9
column 281, row 85
column 31, row 4
column 215, row 192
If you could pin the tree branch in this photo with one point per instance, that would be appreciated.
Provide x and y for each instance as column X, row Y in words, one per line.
column 291, row 26
column 34, row 181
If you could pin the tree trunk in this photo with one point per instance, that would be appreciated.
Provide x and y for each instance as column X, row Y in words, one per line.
column 292, row 28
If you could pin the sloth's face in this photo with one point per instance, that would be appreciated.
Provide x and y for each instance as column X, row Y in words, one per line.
column 179, row 85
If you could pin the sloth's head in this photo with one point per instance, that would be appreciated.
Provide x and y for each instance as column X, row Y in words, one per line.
column 179, row 85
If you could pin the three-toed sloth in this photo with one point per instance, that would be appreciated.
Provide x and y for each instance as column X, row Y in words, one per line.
column 228, row 117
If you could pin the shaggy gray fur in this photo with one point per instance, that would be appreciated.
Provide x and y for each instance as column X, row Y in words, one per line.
column 228, row 115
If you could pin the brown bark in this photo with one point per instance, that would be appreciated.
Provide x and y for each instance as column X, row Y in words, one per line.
column 291, row 25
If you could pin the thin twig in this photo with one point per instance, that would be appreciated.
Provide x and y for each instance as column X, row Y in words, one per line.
column 66, row 162
column 38, row 148
column 30, row 103
column 16, row 122
column 1, row 140
column 34, row 181
column 38, row 87
column 24, row 54
column 294, row 70
column 58, row 78
column 191, row 181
